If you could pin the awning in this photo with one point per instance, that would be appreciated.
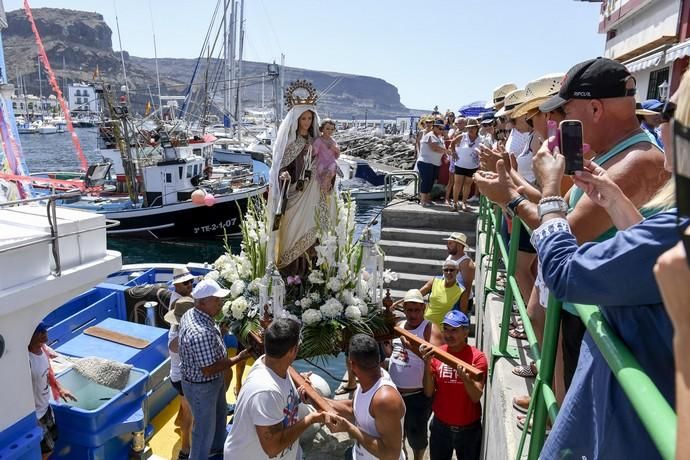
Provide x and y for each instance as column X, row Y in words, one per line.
column 646, row 62
column 678, row 51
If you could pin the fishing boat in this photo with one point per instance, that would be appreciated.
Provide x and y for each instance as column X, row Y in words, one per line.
column 364, row 182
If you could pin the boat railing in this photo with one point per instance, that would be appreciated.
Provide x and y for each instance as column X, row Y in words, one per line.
column 388, row 183
column 657, row 416
column 51, row 213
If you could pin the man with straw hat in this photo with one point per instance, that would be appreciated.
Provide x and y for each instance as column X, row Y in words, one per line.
column 182, row 282
column 173, row 317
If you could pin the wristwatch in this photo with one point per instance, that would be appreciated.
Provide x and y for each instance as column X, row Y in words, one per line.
column 511, row 207
column 551, row 206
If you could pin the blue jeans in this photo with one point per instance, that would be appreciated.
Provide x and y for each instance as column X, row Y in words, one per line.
column 465, row 441
column 209, row 410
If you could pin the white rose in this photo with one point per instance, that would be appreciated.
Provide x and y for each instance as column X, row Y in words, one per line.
column 389, row 276
column 212, row 275
column 226, row 308
column 348, row 297
column 311, row 316
column 254, row 286
column 363, row 308
column 237, row 288
column 239, row 306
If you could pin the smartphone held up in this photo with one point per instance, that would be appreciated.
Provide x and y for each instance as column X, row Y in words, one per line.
column 571, row 145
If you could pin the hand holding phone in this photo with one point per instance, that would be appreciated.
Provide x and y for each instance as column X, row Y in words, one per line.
column 571, row 145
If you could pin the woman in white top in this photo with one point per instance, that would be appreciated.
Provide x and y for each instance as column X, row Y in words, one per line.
column 432, row 149
column 466, row 156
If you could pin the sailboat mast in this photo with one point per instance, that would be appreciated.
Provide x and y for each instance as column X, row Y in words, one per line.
column 238, row 98
column 155, row 56
column 226, row 69
column 231, row 41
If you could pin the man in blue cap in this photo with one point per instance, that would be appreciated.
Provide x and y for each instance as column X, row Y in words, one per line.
column 457, row 409
column 44, row 382
column 649, row 115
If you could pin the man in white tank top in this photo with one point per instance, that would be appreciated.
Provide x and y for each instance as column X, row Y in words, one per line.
column 406, row 369
column 374, row 417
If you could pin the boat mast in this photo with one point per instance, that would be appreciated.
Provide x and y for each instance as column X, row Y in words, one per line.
column 122, row 53
column 238, row 99
column 155, row 57
column 231, row 42
column 226, row 69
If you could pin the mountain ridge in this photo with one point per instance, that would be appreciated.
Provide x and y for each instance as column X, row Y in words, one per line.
column 78, row 42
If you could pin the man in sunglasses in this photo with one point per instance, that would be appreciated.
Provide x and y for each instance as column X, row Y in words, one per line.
column 182, row 282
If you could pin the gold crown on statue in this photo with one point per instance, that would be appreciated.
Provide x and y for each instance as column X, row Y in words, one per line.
column 300, row 92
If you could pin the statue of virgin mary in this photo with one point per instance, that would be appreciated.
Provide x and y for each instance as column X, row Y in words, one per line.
column 298, row 205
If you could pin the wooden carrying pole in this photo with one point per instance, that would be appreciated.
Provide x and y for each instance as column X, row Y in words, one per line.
column 314, row 396
column 439, row 354
column 318, row 401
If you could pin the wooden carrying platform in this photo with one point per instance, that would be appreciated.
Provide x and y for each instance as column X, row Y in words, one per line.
column 439, row 354
column 117, row 337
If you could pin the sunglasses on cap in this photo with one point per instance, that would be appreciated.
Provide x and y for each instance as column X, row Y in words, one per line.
column 681, row 166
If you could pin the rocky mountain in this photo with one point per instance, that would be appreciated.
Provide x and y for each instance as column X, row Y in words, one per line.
column 78, row 42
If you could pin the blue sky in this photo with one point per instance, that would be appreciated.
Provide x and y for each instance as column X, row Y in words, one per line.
column 444, row 53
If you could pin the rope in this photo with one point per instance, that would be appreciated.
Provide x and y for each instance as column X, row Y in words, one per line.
column 56, row 87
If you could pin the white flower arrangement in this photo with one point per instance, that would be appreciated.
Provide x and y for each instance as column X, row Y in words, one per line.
column 331, row 298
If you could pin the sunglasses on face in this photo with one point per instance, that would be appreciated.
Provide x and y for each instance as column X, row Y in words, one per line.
column 449, row 270
column 188, row 282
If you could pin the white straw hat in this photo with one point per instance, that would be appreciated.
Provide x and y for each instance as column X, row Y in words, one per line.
column 539, row 90
column 501, row 92
column 512, row 100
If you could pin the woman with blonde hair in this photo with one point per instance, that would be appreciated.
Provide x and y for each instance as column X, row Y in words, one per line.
column 597, row 420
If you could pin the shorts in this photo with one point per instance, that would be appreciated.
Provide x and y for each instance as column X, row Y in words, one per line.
column 416, row 424
column 465, row 171
column 50, row 431
column 573, row 331
column 427, row 176
column 178, row 387
column 525, row 245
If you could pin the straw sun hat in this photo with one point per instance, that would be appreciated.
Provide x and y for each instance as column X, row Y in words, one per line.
column 500, row 94
column 512, row 100
column 538, row 91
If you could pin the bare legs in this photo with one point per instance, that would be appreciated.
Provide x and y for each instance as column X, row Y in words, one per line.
column 450, row 187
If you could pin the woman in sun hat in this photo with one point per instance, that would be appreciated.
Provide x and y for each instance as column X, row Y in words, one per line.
column 184, row 416
column 466, row 158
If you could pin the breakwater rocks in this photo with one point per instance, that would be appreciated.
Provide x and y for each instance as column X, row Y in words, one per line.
column 392, row 150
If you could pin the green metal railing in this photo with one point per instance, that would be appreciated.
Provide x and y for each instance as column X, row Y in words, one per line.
column 656, row 414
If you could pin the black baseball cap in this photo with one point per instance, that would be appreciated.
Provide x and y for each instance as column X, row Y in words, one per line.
column 440, row 123
column 599, row 78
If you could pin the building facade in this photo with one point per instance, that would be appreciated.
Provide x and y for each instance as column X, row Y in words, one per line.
column 81, row 98
column 651, row 38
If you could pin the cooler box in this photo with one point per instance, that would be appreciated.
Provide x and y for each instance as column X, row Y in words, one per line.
column 99, row 425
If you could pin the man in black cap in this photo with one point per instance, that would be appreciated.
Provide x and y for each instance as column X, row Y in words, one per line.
column 600, row 94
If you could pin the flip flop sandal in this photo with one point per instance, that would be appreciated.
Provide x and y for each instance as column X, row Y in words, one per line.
column 344, row 390
column 518, row 333
column 524, row 371
column 518, row 407
column 521, row 425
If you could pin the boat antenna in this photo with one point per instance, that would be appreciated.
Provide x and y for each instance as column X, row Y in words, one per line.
column 122, row 53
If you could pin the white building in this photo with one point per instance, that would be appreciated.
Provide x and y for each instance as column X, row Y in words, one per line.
column 81, row 98
column 32, row 106
column 649, row 37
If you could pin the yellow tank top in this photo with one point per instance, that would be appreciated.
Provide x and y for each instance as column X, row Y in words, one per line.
column 442, row 300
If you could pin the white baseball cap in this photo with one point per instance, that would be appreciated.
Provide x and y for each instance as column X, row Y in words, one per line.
column 209, row 288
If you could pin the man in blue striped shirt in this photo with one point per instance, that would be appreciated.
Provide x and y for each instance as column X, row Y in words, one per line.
column 203, row 360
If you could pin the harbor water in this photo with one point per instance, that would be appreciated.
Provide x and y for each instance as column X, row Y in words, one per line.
column 56, row 152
